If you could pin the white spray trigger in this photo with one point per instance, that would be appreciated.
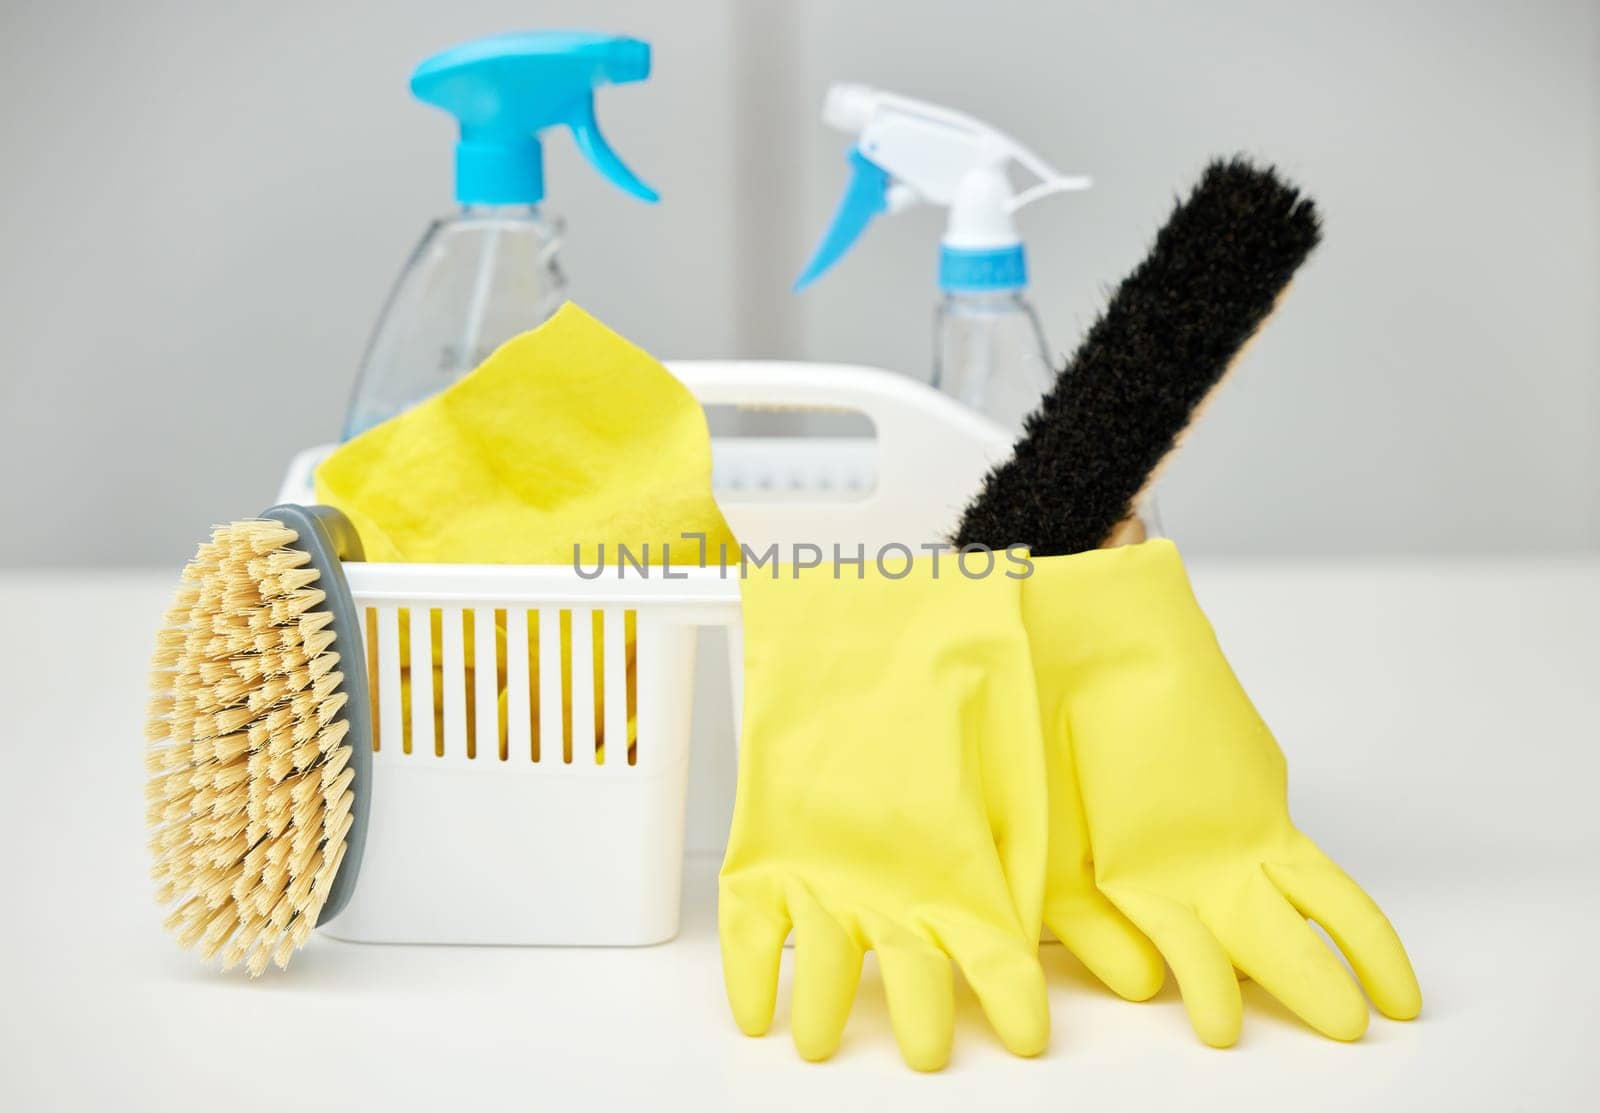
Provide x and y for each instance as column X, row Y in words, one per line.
column 1070, row 184
column 908, row 151
column 901, row 197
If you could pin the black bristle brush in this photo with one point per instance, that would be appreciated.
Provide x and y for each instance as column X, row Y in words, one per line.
column 1165, row 342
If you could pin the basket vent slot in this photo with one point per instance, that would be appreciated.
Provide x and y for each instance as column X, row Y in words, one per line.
column 501, row 684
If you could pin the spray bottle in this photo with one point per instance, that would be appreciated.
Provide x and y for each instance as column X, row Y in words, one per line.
column 489, row 271
column 989, row 349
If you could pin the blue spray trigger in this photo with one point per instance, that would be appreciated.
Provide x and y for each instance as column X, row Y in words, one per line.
column 506, row 89
column 865, row 196
column 593, row 146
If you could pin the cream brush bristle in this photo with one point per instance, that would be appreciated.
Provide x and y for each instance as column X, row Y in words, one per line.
column 250, row 792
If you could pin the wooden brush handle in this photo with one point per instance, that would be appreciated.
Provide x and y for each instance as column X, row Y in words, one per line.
column 1130, row 531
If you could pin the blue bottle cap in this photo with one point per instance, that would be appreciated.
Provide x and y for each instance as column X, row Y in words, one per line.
column 978, row 270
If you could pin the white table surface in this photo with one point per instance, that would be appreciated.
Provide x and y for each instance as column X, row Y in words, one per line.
column 1441, row 727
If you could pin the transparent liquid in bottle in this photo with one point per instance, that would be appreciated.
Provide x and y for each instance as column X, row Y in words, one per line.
column 476, row 279
column 989, row 353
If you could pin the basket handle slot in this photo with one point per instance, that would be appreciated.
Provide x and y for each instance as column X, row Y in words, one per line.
column 919, row 434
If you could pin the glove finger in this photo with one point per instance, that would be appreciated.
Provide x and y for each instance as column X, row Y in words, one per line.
column 1004, row 971
column 1205, row 976
column 1104, row 940
column 1271, row 942
column 920, row 988
column 827, row 969
column 752, row 934
column 1010, row 986
column 1321, row 891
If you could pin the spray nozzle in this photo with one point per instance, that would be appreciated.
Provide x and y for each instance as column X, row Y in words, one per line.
column 507, row 89
column 909, row 151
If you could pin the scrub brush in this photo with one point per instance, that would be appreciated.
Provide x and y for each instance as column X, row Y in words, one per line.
column 259, row 743
column 1172, row 330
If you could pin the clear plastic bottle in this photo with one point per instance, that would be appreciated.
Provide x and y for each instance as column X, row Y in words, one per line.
column 489, row 272
column 990, row 353
column 476, row 279
column 989, row 348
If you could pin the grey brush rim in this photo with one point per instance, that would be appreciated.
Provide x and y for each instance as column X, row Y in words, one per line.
column 328, row 538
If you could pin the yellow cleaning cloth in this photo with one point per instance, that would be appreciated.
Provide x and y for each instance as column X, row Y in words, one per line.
column 566, row 434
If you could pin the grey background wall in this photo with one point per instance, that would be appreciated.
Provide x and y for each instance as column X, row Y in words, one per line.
column 204, row 206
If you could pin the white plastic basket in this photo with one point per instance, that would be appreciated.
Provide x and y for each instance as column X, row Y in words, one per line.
column 503, row 820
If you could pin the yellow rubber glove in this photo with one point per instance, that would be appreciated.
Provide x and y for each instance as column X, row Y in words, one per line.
column 891, row 797
column 1186, row 798
column 1075, row 911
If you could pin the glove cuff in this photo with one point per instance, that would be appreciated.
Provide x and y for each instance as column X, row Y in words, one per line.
column 1107, row 602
